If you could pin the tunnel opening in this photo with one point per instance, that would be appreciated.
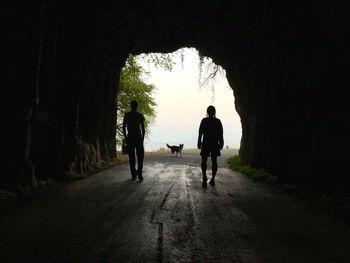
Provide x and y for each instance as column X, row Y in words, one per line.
column 288, row 69
column 183, row 84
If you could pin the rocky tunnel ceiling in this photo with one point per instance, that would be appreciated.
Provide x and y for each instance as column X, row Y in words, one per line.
column 285, row 63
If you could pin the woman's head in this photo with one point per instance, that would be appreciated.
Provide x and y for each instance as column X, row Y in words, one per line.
column 211, row 111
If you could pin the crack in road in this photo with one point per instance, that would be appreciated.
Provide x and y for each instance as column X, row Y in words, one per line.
column 160, row 225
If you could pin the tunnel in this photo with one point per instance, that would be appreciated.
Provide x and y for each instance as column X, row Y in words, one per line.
column 286, row 64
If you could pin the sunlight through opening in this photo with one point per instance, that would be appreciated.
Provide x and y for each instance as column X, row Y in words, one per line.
column 183, row 95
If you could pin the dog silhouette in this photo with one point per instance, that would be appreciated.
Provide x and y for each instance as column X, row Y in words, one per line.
column 175, row 150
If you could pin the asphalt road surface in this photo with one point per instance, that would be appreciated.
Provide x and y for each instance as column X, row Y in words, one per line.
column 169, row 217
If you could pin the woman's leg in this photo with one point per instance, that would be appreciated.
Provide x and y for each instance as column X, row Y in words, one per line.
column 204, row 170
column 214, row 168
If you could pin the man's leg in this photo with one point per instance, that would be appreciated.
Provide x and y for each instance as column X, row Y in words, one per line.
column 204, row 170
column 140, row 152
column 131, row 153
column 214, row 168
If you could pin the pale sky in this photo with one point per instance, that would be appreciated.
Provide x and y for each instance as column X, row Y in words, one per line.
column 181, row 105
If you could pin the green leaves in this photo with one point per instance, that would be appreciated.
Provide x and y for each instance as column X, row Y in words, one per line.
column 132, row 87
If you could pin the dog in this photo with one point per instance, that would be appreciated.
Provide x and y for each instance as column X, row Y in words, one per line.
column 175, row 150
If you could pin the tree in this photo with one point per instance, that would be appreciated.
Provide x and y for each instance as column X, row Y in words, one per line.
column 133, row 87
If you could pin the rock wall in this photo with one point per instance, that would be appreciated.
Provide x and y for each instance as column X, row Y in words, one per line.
column 62, row 80
column 286, row 65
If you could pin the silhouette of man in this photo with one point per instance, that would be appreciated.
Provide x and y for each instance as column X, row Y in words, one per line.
column 134, row 134
column 212, row 132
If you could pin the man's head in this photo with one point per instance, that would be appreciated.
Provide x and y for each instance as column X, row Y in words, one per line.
column 133, row 104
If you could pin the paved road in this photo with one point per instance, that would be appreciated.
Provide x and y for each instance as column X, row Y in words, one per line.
column 169, row 217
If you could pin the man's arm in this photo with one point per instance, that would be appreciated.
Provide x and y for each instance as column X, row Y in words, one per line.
column 143, row 128
column 124, row 127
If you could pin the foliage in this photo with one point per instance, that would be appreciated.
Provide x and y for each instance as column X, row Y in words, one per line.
column 46, row 182
column 238, row 165
column 211, row 72
column 74, row 175
column 208, row 71
column 133, row 87
column 163, row 60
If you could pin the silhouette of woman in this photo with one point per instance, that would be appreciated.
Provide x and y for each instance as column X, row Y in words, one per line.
column 212, row 132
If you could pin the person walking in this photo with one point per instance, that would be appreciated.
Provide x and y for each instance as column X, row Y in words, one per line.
column 134, row 134
column 210, row 142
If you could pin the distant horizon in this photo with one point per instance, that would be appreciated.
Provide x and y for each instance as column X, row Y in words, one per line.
column 184, row 150
column 190, row 149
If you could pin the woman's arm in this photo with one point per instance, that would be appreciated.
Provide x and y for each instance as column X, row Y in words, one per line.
column 221, row 136
column 200, row 134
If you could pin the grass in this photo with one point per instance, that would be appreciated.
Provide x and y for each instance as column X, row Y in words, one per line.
column 100, row 166
column 96, row 167
column 10, row 197
column 336, row 204
column 7, row 198
column 238, row 165
column 72, row 175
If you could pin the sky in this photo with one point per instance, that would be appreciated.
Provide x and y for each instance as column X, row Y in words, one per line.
column 182, row 103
